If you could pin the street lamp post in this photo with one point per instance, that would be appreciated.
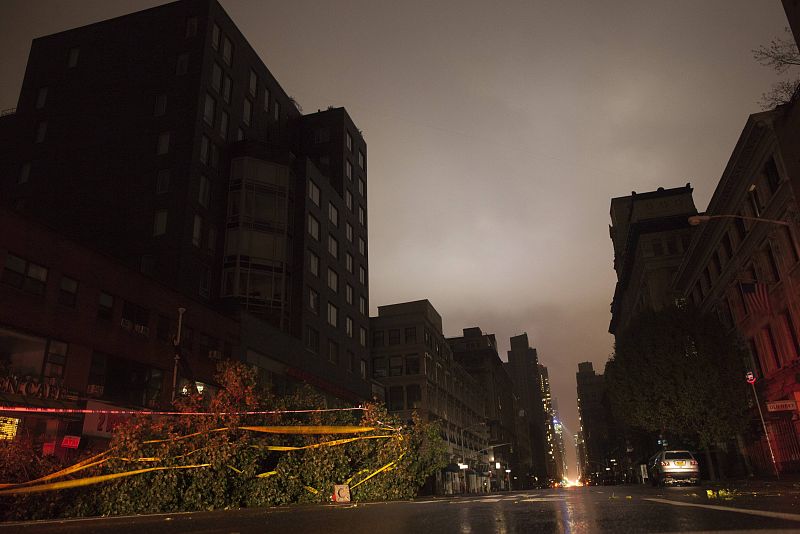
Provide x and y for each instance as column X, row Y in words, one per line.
column 751, row 379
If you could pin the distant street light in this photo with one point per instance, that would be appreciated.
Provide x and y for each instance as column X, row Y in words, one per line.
column 694, row 220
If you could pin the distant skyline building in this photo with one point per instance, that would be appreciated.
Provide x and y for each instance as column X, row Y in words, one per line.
column 596, row 428
column 162, row 139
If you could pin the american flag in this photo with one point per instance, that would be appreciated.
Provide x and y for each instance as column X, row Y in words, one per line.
column 756, row 295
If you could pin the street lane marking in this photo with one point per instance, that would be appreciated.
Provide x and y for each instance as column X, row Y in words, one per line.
column 543, row 499
column 762, row 513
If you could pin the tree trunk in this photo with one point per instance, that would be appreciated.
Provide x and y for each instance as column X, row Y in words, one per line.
column 743, row 457
column 710, row 464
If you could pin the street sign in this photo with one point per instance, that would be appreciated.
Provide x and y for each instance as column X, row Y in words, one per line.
column 782, row 406
column 70, row 442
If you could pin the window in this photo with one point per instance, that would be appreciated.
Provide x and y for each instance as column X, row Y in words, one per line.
column 348, row 326
column 379, row 368
column 360, row 159
column 773, row 178
column 227, row 88
column 182, row 65
column 773, row 265
column 348, row 262
column 105, row 305
column 755, row 202
column 351, row 361
column 162, row 181
column 205, row 149
column 266, row 99
column 333, row 315
column 215, row 37
column 313, row 227
column 396, row 400
column 362, row 246
column 25, row 275
column 55, row 359
column 209, row 109
column 411, row 334
column 413, row 396
column 72, row 57
column 41, row 131
column 361, row 187
column 216, row 78
column 362, row 274
column 348, row 231
column 362, row 336
column 203, row 191
column 333, row 280
column 412, row 364
column 313, row 301
column 224, row 120
column 160, row 223
column 205, row 282
column 348, row 170
column 363, row 369
column 378, row 340
column 312, row 340
column 191, row 27
column 313, row 192
column 227, row 50
column 197, row 230
column 362, row 305
column 361, row 217
column 253, row 87
column 313, row 263
column 348, row 141
column 24, row 173
column 163, row 143
column 41, row 97
column 396, row 366
column 239, row 134
column 211, row 245
column 333, row 246
column 333, row 214
column 348, row 294
column 333, row 352
column 247, row 113
column 394, row 336
column 68, row 292
column 276, row 109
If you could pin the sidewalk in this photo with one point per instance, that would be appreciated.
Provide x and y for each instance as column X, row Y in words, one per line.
column 787, row 482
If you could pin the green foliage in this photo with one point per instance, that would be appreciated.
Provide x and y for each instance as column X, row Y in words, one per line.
column 678, row 371
column 236, row 456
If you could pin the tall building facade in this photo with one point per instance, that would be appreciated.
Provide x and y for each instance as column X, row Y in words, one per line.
column 596, row 431
column 554, row 452
column 412, row 360
column 748, row 272
column 650, row 233
column 162, row 139
column 476, row 352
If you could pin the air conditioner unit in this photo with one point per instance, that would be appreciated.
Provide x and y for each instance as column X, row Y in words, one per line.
column 127, row 324
column 215, row 354
column 94, row 389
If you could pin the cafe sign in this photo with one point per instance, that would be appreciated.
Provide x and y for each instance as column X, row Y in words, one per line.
column 30, row 388
column 782, row 406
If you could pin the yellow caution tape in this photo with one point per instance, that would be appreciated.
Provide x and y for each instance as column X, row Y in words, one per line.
column 384, row 468
column 331, row 443
column 308, row 429
column 267, row 474
column 237, row 470
column 312, row 490
column 90, row 480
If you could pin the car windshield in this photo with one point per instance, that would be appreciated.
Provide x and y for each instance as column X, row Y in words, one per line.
column 678, row 455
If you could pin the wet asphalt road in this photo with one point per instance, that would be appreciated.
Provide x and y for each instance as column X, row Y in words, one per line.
column 614, row 509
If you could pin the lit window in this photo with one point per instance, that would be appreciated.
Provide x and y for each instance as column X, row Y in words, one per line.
column 197, row 230
column 313, row 227
column 204, row 191
column 41, row 131
column 333, row 214
column 41, row 97
column 253, row 83
column 160, row 223
column 72, row 59
column 247, row 112
column 163, row 143
column 333, row 315
column 313, row 192
column 209, row 109
column 333, row 280
column 333, row 246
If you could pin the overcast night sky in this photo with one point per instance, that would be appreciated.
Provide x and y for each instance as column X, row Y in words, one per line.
column 497, row 133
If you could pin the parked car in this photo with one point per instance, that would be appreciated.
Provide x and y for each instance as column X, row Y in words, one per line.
column 672, row 467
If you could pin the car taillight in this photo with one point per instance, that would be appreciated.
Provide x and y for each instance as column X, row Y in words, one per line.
column 693, row 462
column 664, row 463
